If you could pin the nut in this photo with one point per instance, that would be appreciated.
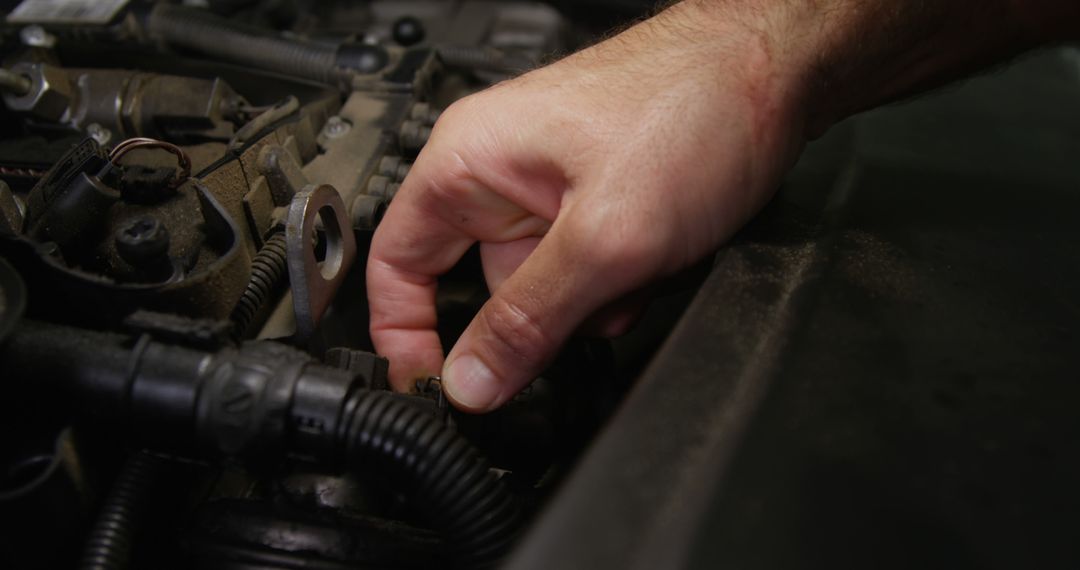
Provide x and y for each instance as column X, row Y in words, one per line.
column 50, row 94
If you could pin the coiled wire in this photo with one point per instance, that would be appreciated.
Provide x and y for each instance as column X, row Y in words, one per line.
column 269, row 270
column 205, row 33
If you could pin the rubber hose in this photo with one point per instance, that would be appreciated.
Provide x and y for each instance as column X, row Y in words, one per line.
column 269, row 271
column 446, row 476
column 203, row 32
column 108, row 546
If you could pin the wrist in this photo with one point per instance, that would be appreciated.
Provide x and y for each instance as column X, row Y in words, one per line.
column 795, row 50
column 753, row 52
column 854, row 55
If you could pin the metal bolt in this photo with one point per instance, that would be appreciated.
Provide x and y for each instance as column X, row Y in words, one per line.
column 394, row 167
column 50, row 96
column 336, row 127
column 413, row 136
column 36, row 36
column 99, row 133
column 408, row 31
column 367, row 211
column 142, row 239
column 381, row 186
column 424, row 113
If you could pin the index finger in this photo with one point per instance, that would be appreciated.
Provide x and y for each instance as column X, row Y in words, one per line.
column 410, row 249
column 439, row 212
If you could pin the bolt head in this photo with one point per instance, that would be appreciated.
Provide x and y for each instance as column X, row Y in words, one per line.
column 50, row 95
column 336, row 127
column 142, row 239
column 99, row 133
column 408, row 30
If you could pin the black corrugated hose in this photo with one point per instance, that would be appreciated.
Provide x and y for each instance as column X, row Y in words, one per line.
column 201, row 31
column 305, row 407
column 268, row 273
column 108, row 546
column 446, row 476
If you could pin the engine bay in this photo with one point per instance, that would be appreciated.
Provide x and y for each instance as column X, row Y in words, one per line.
column 187, row 196
column 877, row 371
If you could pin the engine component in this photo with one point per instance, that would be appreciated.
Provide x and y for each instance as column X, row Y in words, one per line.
column 202, row 32
column 108, row 546
column 269, row 273
column 314, row 283
column 108, row 104
column 176, row 181
column 95, row 239
column 44, row 92
column 262, row 399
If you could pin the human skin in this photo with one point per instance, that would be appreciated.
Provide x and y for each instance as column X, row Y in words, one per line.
column 587, row 180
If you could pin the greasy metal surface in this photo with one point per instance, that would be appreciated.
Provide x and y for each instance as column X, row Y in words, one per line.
column 282, row 173
column 234, row 179
column 315, row 283
column 251, row 188
column 209, row 290
column 134, row 104
column 882, row 369
column 350, row 157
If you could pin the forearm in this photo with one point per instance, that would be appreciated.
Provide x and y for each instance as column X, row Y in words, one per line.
column 845, row 56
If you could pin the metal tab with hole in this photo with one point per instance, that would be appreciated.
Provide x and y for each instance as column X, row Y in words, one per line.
column 314, row 283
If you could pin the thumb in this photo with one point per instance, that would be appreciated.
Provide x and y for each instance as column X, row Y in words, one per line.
column 528, row 318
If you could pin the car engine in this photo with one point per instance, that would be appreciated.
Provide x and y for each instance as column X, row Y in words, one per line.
column 879, row 370
column 187, row 195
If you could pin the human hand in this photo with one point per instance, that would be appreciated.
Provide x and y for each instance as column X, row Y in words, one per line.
column 583, row 182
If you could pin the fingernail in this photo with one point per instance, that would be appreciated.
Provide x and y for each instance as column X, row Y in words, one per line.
column 470, row 383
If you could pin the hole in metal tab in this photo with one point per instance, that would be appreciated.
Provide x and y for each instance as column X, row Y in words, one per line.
column 331, row 247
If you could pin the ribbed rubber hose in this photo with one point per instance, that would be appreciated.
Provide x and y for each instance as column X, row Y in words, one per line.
column 108, row 546
column 485, row 59
column 445, row 475
column 200, row 31
column 269, row 271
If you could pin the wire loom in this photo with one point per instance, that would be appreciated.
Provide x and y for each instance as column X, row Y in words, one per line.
column 446, row 475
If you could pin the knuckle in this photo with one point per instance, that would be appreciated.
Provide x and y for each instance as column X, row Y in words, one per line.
column 517, row 335
column 459, row 112
column 615, row 243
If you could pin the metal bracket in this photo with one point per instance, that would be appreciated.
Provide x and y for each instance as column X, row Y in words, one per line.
column 282, row 172
column 314, row 283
